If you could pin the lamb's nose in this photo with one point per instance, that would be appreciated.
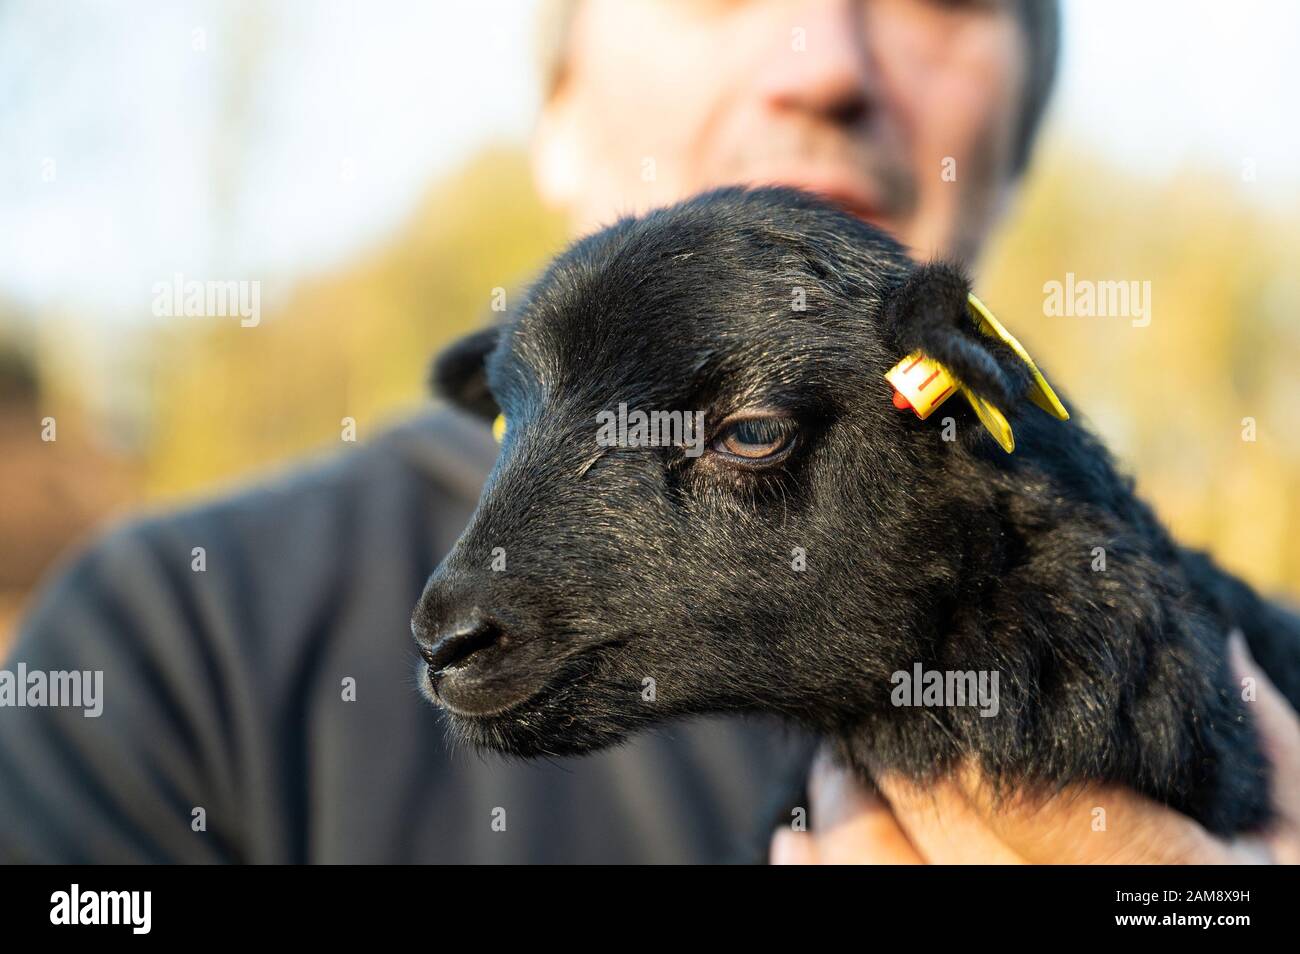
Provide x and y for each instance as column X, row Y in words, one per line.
column 458, row 639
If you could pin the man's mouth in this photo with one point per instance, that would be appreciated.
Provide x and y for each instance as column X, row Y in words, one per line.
column 867, row 183
column 841, row 191
column 855, row 204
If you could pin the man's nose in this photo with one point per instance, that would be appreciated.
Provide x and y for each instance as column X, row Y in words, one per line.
column 833, row 75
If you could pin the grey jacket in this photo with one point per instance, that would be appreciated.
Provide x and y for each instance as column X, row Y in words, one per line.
column 224, row 689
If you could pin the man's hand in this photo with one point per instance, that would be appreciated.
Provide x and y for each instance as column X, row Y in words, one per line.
column 958, row 821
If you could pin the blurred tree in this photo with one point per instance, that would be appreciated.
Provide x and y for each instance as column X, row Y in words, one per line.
column 1222, row 344
column 355, row 344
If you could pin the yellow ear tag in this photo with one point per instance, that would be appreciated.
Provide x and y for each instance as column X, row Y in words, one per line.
column 923, row 384
column 499, row 428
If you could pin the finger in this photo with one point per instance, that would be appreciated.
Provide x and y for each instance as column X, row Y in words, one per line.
column 1094, row 824
column 790, row 847
column 1279, row 734
column 1278, row 725
column 942, row 824
column 852, row 824
column 836, row 794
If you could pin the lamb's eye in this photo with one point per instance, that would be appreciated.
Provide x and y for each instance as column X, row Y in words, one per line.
column 757, row 440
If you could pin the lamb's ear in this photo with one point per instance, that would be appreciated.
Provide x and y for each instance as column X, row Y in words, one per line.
column 930, row 312
column 459, row 374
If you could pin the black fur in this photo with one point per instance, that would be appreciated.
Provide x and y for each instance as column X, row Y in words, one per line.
column 628, row 564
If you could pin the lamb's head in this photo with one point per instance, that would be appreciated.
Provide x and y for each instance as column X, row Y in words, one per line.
column 785, row 548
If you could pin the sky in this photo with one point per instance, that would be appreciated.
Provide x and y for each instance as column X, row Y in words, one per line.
column 226, row 139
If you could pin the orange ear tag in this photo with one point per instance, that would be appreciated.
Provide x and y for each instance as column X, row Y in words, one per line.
column 923, row 384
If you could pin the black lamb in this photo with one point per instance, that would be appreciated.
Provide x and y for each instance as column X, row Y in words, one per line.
column 814, row 541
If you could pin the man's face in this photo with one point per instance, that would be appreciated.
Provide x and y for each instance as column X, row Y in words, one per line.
column 904, row 111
